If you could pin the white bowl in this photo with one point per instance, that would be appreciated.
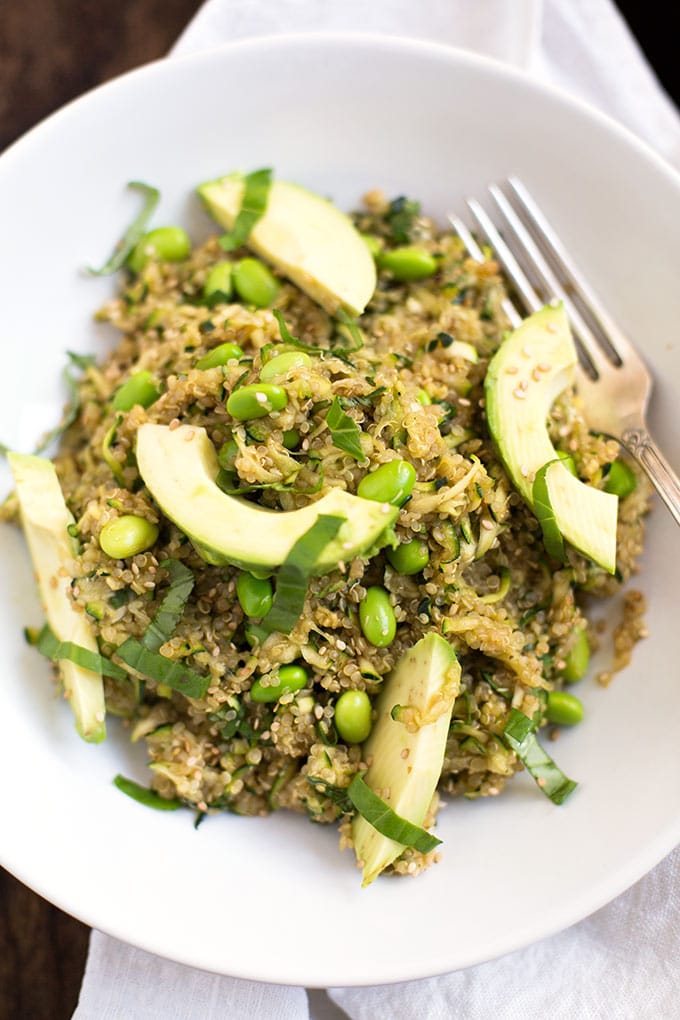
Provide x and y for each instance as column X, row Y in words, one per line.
column 272, row 898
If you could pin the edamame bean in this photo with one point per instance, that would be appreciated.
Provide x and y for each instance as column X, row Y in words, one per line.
column 289, row 679
column 254, row 283
column 141, row 388
column 576, row 662
column 563, row 709
column 217, row 286
column 282, row 364
column 378, row 622
column 409, row 263
column 126, row 536
column 254, row 594
column 353, row 716
column 410, row 557
column 390, row 483
column 169, row 244
column 256, row 401
column 291, row 439
column 220, row 355
column 620, row 481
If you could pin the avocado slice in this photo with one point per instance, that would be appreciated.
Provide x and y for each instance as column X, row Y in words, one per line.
column 179, row 467
column 406, row 746
column 533, row 365
column 306, row 238
column 46, row 519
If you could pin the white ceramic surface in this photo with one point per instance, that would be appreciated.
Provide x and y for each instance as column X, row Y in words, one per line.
column 273, row 899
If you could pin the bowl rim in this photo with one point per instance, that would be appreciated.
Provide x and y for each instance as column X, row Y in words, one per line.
column 616, row 882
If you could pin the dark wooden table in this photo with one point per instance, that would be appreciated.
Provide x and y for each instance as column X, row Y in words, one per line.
column 51, row 51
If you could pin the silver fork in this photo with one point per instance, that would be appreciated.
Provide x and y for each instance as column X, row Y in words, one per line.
column 612, row 377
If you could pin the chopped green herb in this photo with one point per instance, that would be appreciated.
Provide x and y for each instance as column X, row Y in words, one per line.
column 293, row 576
column 337, row 794
column 113, row 463
column 171, row 608
column 378, row 814
column 345, row 433
column 520, row 735
column 120, row 598
column 145, row 796
column 253, row 207
column 72, row 408
column 133, row 233
column 163, row 670
column 400, row 218
column 552, row 536
column 52, row 648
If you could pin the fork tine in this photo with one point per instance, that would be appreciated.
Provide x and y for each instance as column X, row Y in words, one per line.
column 536, row 219
column 475, row 252
column 506, row 257
column 580, row 327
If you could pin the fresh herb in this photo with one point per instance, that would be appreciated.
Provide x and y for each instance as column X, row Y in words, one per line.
column 120, row 598
column 79, row 361
column 46, row 642
column 253, row 206
column 400, row 218
column 337, row 794
column 163, row 670
column 337, row 352
column 381, row 816
column 293, row 577
column 503, row 692
column 108, row 441
column 345, row 433
column 145, row 796
column 441, row 340
column 134, row 232
column 552, row 536
column 171, row 608
column 520, row 735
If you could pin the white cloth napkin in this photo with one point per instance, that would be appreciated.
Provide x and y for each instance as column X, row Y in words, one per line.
column 623, row 962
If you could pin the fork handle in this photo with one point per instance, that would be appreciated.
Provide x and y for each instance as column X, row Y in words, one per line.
column 640, row 445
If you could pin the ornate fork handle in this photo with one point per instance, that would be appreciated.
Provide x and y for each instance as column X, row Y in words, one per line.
column 640, row 445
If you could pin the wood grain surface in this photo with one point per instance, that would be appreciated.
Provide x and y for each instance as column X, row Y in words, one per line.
column 50, row 52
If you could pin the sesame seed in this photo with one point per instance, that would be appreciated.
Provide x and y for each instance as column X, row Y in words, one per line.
column 523, row 385
column 544, row 366
column 524, row 471
column 526, row 351
column 189, row 436
column 385, row 508
column 405, row 753
column 99, row 716
column 541, row 780
column 551, row 327
column 519, row 394
column 487, row 524
column 536, row 375
column 512, row 370
column 464, row 402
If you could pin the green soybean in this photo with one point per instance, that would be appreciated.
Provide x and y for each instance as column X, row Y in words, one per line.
column 291, row 439
column 141, row 388
column 289, row 679
column 620, row 481
column 563, row 709
column 126, row 536
column 169, row 244
column 390, row 483
column 284, row 363
column 409, row 263
column 218, row 286
column 254, row 283
column 256, row 401
column 410, row 557
column 254, row 594
column 578, row 658
column 378, row 622
column 353, row 716
column 220, row 355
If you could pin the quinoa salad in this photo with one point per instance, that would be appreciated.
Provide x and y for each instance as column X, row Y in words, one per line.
column 433, row 617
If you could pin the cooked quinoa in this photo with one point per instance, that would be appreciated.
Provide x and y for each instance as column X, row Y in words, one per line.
column 412, row 398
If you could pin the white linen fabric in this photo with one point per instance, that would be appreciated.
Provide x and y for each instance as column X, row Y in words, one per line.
column 623, row 962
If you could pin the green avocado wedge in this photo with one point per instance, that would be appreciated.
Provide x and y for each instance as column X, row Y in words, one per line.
column 406, row 746
column 533, row 365
column 46, row 519
column 179, row 467
column 303, row 236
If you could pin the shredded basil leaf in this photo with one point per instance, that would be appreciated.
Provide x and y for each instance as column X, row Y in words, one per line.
column 336, row 352
column 171, row 608
column 345, row 433
column 378, row 814
column 73, row 404
column 552, row 536
column 400, row 218
column 336, row 794
column 253, row 207
column 293, row 577
column 133, row 233
column 157, row 667
column 108, row 441
column 353, row 330
column 52, row 648
column 145, row 796
column 520, row 735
